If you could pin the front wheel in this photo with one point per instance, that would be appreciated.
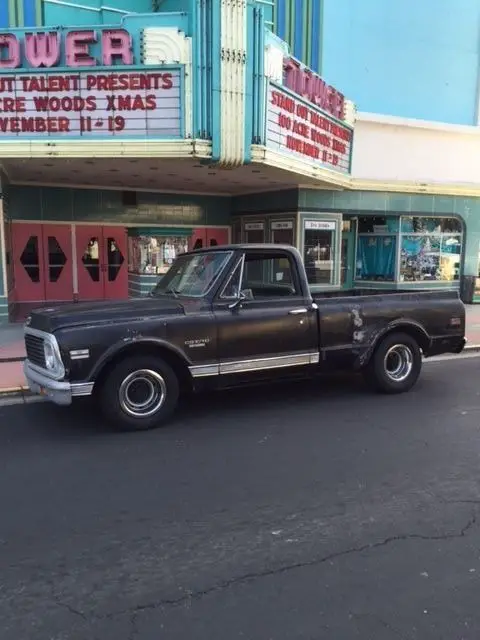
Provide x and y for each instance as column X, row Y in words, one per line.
column 395, row 365
column 139, row 393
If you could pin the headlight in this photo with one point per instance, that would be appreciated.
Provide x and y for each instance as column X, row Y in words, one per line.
column 50, row 359
column 53, row 359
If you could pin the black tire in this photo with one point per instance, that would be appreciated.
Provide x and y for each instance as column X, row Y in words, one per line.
column 135, row 379
column 395, row 365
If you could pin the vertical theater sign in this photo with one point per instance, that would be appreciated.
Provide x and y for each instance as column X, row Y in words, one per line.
column 49, row 85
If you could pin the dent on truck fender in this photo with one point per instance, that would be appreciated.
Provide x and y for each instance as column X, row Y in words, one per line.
column 358, row 323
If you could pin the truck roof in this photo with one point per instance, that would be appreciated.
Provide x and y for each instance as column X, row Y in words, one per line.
column 243, row 247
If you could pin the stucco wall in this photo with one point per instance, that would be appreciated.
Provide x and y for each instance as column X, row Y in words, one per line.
column 392, row 149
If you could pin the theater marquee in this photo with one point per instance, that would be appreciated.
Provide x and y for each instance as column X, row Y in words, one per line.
column 49, row 86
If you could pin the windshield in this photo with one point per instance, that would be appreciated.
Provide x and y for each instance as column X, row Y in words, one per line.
column 192, row 275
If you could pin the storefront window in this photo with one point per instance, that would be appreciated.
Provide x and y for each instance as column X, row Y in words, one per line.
column 411, row 224
column 430, row 250
column 376, row 257
column 154, row 254
column 319, row 251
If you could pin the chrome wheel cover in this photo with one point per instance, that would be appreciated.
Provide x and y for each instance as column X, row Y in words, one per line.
column 142, row 393
column 398, row 362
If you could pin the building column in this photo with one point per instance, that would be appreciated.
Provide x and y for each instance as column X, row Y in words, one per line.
column 231, row 30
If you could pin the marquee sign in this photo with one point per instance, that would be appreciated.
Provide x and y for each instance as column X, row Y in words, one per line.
column 300, row 129
column 91, row 104
column 49, row 86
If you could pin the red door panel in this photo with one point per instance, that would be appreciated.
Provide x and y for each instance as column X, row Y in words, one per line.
column 28, row 262
column 89, row 245
column 115, row 271
column 57, row 257
column 217, row 236
column 198, row 239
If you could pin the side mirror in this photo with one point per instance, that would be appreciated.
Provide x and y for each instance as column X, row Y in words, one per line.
column 238, row 302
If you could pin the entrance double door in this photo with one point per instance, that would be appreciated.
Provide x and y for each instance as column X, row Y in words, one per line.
column 54, row 262
column 42, row 262
column 101, row 258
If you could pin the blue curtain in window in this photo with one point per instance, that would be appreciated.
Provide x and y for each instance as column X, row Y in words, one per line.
column 376, row 257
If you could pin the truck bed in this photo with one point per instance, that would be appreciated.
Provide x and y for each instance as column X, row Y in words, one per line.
column 423, row 294
column 354, row 320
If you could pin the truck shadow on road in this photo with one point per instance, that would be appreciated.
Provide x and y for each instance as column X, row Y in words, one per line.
column 290, row 401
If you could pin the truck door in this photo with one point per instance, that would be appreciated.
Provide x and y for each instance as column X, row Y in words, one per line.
column 275, row 326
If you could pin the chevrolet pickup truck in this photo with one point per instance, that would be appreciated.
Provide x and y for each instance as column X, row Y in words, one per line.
column 227, row 316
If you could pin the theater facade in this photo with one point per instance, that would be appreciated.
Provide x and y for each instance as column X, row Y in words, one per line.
column 123, row 145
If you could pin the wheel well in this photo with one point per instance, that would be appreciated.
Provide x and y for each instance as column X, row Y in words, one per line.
column 148, row 349
column 411, row 330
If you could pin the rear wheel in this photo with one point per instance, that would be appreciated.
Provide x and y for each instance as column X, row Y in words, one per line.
column 139, row 393
column 395, row 365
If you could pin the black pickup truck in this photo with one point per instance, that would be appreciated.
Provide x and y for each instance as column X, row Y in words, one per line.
column 226, row 316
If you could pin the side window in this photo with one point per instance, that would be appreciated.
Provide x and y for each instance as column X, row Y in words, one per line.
column 269, row 276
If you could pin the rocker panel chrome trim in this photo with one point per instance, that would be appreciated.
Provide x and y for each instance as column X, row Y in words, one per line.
column 255, row 364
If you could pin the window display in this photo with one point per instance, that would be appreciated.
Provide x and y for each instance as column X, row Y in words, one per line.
column 376, row 256
column 427, row 249
column 430, row 250
column 153, row 254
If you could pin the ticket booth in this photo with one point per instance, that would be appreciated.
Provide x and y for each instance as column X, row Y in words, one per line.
column 318, row 237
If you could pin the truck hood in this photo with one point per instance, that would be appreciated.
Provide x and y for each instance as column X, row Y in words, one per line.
column 99, row 313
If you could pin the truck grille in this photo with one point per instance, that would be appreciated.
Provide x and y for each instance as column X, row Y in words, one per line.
column 35, row 351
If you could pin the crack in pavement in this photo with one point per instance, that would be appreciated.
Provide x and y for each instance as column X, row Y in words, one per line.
column 251, row 577
column 72, row 610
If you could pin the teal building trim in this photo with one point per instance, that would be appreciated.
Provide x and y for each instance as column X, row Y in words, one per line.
column 213, row 30
column 203, row 112
column 56, row 204
column 255, row 85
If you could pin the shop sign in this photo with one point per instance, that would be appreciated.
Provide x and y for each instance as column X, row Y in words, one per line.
column 280, row 225
column 307, row 84
column 75, row 100
column 300, row 129
column 319, row 225
column 254, row 226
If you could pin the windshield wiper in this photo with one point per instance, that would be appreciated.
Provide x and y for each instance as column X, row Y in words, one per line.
column 172, row 291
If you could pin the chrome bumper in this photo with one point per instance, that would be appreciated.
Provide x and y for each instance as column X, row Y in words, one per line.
column 57, row 391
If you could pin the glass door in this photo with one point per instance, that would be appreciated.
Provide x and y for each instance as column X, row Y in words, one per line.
column 282, row 232
column 321, row 248
column 254, row 232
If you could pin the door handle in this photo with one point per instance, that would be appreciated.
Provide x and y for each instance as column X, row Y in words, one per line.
column 297, row 312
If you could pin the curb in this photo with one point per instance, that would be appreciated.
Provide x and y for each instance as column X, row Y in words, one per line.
column 24, row 392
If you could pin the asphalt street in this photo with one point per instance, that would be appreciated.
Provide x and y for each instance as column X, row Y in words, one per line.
column 306, row 511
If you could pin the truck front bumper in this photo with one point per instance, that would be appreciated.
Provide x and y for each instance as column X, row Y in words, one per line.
column 59, row 392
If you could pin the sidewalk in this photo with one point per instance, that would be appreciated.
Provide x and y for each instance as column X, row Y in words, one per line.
column 12, row 350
